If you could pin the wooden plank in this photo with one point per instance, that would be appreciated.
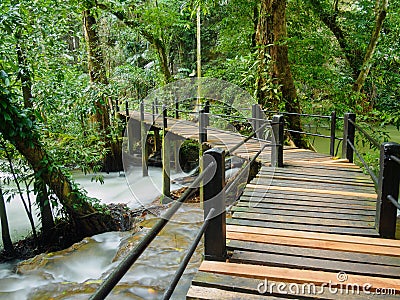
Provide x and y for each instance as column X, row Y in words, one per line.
column 315, row 244
column 326, row 175
column 203, row 293
column 304, row 213
column 331, row 174
column 302, row 220
column 324, row 172
column 311, row 208
column 304, row 196
column 322, row 264
column 341, row 165
column 251, row 286
column 316, row 236
column 316, row 191
column 338, row 188
column 314, row 179
column 367, row 232
column 333, row 255
column 307, row 196
column 295, row 275
column 298, row 164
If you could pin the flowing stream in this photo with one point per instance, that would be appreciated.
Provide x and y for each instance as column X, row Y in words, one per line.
column 75, row 273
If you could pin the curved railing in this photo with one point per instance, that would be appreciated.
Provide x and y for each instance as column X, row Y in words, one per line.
column 213, row 198
column 215, row 188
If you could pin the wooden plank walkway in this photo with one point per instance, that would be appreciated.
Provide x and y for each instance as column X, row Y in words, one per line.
column 302, row 227
column 305, row 231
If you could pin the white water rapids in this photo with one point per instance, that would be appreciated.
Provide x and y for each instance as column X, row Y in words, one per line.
column 75, row 273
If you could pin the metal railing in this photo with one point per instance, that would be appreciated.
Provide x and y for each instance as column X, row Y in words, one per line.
column 215, row 188
column 213, row 196
column 332, row 127
column 112, row 280
column 388, row 190
column 387, row 183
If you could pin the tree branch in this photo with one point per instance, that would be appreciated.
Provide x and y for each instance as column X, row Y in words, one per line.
column 152, row 39
column 330, row 20
column 380, row 17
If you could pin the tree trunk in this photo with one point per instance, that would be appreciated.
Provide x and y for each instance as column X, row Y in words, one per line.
column 353, row 53
column 366, row 66
column 272, row 34
column 5, row 231
column 43, row 200
column 152, row 39
column 24, row 74
column 97, row 72
column 18, row 129
column 256, row 13
column 26, row 82
column 264, row 40
column 163, row 58
column 329, row 18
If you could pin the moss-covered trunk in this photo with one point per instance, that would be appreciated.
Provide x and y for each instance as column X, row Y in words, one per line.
column 20, row 130
column 272, row 35
column 97, row 72
column 5, row 231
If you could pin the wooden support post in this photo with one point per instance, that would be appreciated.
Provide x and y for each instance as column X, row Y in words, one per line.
column 156, row 105
column 207, row 113
column 348, row 136
column 255, row 116
column 127, row 108
column 389, row 180
column 143, row 138
column 176, row 108
column 153, row 111
column 166, row 179
column 277, row 141
column 203, row 120
column 333, row 134
column 214, row 197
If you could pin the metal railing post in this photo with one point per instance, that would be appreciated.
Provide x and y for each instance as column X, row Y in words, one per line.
column 116, row 106
column 176, row 108
column 389, row 179
column 333, row 134
column 207, row 113
column 202, row 126
column 156, row 105
column 153, row 111
column 214, row 197
column 348, row 135
column 143, row 139
column 166, row 179
column 255, row 116
column 278, row 138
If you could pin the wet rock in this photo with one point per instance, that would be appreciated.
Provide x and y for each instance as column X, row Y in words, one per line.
column 42, row 260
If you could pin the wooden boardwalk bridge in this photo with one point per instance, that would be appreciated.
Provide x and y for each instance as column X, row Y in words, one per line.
column 308, row 226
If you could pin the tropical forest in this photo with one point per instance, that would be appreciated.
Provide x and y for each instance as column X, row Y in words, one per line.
column 74, row 75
